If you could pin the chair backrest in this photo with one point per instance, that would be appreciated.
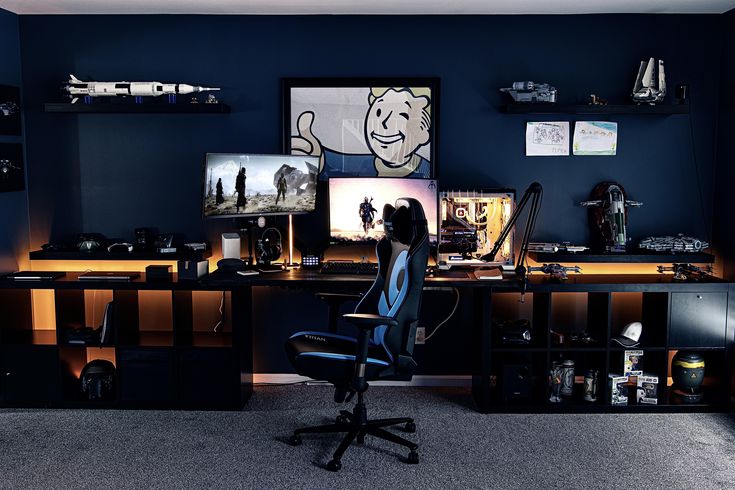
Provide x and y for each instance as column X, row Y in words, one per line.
column 402, row 254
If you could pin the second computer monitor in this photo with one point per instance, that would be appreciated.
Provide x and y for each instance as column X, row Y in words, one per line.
column 356, row 205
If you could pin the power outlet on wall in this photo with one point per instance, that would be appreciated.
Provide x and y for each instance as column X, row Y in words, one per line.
column 420, row 335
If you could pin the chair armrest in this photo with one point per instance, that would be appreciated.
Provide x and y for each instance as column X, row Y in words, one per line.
column 365, row 321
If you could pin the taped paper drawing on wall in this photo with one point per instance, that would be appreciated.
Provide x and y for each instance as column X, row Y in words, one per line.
column 547, row 138
column 595, row 138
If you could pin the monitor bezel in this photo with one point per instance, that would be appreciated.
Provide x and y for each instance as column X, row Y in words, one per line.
column 248, row 215
column 332, row 241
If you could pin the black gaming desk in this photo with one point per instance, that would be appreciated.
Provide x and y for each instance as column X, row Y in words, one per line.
column 677, row 309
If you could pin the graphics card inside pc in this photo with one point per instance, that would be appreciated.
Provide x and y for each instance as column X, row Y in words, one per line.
column 469, row 223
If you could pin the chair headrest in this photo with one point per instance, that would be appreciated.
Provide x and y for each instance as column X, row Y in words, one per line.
column 404, row 222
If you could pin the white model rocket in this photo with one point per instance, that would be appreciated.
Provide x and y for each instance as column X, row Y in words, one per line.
column 77, row 88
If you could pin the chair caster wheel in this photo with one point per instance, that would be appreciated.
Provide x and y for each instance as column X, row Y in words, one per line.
column 295, row 440
column 413, row 458
column 341, row 419
column 409, row 427
column 334, row 465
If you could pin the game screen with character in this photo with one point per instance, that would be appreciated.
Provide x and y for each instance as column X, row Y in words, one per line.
column 236, row 185
column 356, row 205
column 470, row 223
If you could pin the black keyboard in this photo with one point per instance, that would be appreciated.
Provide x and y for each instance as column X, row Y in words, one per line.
column 346, row 267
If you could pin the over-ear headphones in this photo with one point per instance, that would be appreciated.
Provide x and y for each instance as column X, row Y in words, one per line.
column 98, row 380
column 270, row 245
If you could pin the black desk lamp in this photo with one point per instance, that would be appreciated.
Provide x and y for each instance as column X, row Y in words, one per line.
column 534, row 193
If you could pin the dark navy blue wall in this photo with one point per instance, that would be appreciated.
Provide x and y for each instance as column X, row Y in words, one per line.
column 111, row 173
column 724, row 210
column 14, row 214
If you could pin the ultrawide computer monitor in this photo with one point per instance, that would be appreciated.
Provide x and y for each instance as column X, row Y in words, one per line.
column 238, row 185
column 356, row 205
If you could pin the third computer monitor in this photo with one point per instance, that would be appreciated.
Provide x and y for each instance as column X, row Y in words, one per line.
column 356, row 205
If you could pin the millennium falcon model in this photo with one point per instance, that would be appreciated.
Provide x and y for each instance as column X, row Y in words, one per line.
column 673, row 244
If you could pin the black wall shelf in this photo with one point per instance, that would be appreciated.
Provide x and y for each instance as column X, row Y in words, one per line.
column 150, row 108
column 622, row 258
column 146, row 255
column 612, row 109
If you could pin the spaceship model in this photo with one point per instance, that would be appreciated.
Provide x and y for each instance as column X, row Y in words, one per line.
column 8, row 108
column 610, row 216
column 531, row 92
column 556, row 271
column 77, row 88
column 687, row 272
column 6, row 166
column 647, row 88
column 673, row 244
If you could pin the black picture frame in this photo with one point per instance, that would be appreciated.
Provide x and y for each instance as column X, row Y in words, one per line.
column 10, row 111
column 404, row 84
column 12, row 172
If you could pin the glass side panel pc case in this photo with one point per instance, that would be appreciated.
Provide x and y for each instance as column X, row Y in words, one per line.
column 236, row 185
column 469, row 223
column 356, row 205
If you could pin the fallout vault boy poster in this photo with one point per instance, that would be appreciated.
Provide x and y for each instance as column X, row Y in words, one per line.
column 374, row 130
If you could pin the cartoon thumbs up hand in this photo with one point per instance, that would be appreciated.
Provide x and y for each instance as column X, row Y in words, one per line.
column 305, row 143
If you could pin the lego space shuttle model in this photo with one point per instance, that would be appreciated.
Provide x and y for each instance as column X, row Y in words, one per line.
column 77, row 88
column 650, row 87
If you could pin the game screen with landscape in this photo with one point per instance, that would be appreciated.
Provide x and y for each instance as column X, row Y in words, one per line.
column 237, row 185
column 356, row 205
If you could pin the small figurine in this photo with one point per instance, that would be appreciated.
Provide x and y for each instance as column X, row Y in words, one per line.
column 647, row 88
column 595, row 100
column 77, row 88
column 194, row 100
column 531, row 92
column 211, row 99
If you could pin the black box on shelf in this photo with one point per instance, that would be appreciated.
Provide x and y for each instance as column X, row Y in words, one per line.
column 191, row 270
column 158, row 273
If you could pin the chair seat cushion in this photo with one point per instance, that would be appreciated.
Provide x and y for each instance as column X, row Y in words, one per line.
column 331, row 357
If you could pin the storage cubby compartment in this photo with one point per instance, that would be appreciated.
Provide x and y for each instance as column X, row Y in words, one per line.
column 27, row 375
column 650, row 309
column 146, row 376
column 82, row 318
column 716, row 378
column 584, row 360
column 208, row 378
column 200, row 318
column 697, row 319
column 578, row 320
column 16, row 320
column 155, row 320
column 518, row 378
column 101, row 387
column 508, row 309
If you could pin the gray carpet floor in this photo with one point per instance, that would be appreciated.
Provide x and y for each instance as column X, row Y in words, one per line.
column 460, row 448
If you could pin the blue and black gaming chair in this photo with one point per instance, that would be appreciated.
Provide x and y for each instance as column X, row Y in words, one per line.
column 386, row 320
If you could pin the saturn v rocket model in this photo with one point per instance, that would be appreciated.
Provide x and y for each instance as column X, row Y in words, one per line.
column 77, row 88
column 647, row 88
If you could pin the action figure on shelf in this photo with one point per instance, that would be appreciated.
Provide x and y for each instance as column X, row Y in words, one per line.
column 240, row 189
column 555, row 373
column 281, row 188
column 220, row 195
column 367, row 214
